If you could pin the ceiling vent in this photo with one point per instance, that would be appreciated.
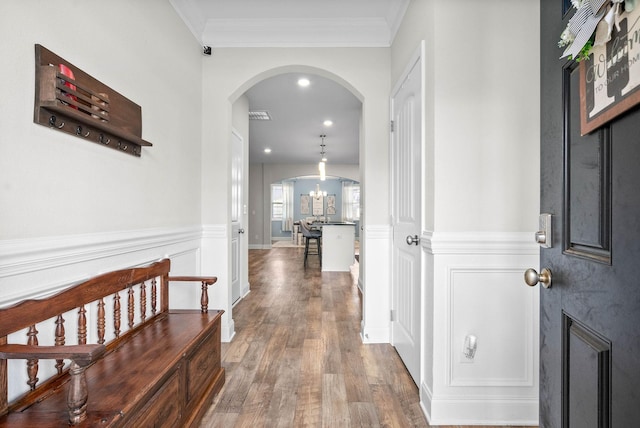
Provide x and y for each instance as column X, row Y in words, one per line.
column 259, row 115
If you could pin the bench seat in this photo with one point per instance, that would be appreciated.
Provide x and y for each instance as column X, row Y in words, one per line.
column 163, row 372
column 144, row 366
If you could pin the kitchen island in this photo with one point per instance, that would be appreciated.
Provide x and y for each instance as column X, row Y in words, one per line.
column 338, row 246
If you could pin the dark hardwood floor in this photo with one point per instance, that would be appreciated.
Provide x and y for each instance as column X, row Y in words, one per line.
column 297, row 358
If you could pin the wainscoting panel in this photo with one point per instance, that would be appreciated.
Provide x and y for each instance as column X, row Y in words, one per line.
column 375, row 252
column 33, row 268
column 492, row 305
column 476, row 293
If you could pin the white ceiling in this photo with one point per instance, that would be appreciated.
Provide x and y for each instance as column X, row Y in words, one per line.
column 297, row 113
column 297, row 116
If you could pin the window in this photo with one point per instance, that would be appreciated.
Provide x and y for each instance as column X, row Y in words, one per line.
column 350, row 201
column 277, row 202
column 355, row 202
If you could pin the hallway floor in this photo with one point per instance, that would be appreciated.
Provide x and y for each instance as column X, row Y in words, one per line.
column 297, row 358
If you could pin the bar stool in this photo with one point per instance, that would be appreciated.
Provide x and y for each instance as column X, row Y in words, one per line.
column 308, row 235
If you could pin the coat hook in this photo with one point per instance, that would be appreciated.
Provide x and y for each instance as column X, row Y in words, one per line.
column 52, row 122
column 79, row 131
column 102, row 140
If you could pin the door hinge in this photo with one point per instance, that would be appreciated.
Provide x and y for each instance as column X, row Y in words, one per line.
column 392, row 315
column 392, row 126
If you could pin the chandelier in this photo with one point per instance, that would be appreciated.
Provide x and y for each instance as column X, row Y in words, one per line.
column 317, row 193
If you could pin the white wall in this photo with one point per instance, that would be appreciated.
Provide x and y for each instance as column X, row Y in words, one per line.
column 70, row 208
column 53, row 184
column 56, row 187
column 73, row 209
column 481, row 191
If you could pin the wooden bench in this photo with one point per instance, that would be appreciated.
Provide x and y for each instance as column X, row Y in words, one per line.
column 136, row 362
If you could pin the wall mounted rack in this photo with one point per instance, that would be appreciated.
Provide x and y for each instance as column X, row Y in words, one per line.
column 69, row 100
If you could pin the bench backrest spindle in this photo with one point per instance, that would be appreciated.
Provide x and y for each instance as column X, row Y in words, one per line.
column 32, row 364
column 82, row 326
column 117, row 314
column 143, row 302
column 101, row 321
column 131, row 306
column 154, row 296
column 59, row 341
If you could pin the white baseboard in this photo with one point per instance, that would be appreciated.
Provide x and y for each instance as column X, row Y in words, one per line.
column 259, row 246
column 374, row 335
column 228, row 330
column 478, row 410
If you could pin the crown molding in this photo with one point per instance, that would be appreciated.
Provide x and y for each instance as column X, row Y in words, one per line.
column 296, row 32
column 350, row 23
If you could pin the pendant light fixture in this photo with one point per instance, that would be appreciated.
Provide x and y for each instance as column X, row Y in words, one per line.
column 323, row 160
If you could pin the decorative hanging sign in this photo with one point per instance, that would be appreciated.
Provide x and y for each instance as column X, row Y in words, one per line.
column 610, row 76
column 318, row 205
column 604, row 36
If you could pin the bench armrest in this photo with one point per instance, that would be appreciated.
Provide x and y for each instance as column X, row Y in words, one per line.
column 83, row 355
column 209, row 280
column 80, row 355
column 206, row 282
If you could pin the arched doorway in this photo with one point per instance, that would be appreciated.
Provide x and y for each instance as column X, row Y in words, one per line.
column 298, row 130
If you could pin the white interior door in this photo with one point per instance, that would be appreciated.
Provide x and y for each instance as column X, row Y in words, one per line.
column 237, row 231
column 406, row 155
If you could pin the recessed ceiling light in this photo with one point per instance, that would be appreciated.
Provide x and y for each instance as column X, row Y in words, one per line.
column 259, row 115
column 328, row 122
column 267, row 150
column 304, row 82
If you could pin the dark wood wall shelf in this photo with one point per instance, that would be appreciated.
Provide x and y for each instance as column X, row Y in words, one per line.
column 70, row 100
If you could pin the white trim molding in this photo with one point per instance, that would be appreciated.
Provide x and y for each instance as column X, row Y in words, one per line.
column 27, row 255
column 479, row 243
column 36, row 267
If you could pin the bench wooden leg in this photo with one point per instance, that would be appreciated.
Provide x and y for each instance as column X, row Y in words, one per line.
column 77, row 395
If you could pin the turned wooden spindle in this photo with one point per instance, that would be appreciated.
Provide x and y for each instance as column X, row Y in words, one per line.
column 143, row 302
column 131, row 306
column 78, row 394
column 32, row 364
column 101, row 321
column 154, row 296
column 204, row 298
column 82, row 326
column 116, row 314
column 60, row 340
